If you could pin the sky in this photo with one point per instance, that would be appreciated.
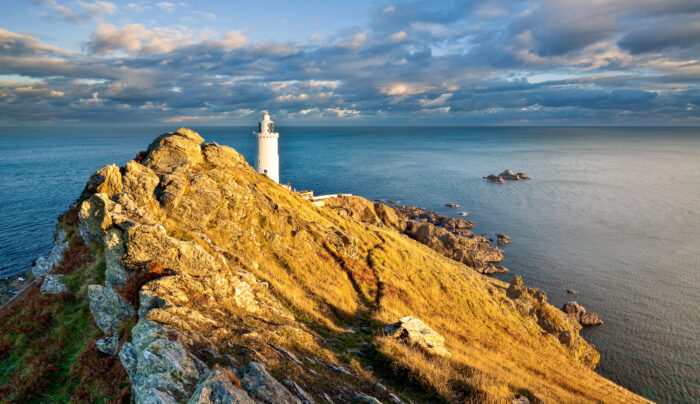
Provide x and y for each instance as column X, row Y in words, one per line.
column 536, row 62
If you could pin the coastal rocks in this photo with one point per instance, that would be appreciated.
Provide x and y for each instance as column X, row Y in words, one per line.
column 507, row 175
column 107, row 307
column 43, row 264
column 449, row 223
column 52, row 285
column 474, row 251
column 532, row 303
column 216, row 388
column 502, row 239
column 585, row 318
column 452, row 205
column 139, row 182
column 261, row 385
column 410, row 212
column 415, row 332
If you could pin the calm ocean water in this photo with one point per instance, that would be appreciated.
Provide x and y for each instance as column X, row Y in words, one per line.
column 613, row 213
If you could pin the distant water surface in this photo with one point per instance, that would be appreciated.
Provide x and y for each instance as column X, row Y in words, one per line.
column 613, row 213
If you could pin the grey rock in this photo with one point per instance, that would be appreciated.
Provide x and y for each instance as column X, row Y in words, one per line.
column 415, row 332
column 361, row 398
column 216, row 388
column 296, row 389
column 394, row 398
column 288, row 353
column 115, row 274
column 52, row 285
column 161, row 369
column 108, row 345
column 44, row 263
column 520, row 399
column 261, row 385
column 107, row 307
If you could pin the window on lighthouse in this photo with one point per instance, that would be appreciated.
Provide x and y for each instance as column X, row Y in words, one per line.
column 271, row 127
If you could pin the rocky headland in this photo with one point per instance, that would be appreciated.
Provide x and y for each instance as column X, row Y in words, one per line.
column 186, row 277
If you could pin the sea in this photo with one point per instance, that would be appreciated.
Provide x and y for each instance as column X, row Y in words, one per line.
column 612, row 213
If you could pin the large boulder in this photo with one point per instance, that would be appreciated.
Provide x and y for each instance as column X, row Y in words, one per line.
column 415, row 332
column 107, row 307
column 261, row 385
column 216, row 388
column 139, row 182
column 160, row 367
column 175, row 149
column 106, row 180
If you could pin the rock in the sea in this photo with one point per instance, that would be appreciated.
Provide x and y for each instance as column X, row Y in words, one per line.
column 261, row 385
column 463, row 213
column 216, row 388
column 52, row 285
column 502, row 239
column 570, row 291
column 507, row 175
column 415, row 332
column 585, row 318
column 43, row 264
column 452, row 205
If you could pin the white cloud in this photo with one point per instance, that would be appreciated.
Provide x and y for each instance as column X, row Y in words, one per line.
column 435, row 101
column 356, row 41
column 166, row 6
column 31, row 91
column 399, row 36
column 403, row 89
column 135, row 38
column 389, row 9
column 82, row 10
column 342, row 112
column 233, row 40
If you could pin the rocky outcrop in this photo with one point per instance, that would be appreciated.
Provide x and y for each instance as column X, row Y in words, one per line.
column 507, row 175
column 52, row 285
column 502, row 239
column 261, row 385
column 415, row 332
column 585, row 318
column 222, row 271
column 217, row 388
column 43, row 264
column 532, row 303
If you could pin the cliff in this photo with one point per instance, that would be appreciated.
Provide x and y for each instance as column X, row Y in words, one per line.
column 188, row 277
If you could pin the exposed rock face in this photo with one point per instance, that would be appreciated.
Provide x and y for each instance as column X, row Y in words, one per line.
column 216, row 388
column 108, row 345
column 413, row 331
column 43, row 264
column 52, row 285
column 266, row 388
column 577, row 311
column 532, row 303
column 107, row 180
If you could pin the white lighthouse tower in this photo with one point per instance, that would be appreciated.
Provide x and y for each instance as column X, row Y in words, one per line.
column 268, row 157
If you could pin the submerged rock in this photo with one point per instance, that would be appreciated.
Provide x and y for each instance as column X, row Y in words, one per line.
column 452, row 205
column 415, row 332
column 502, row 239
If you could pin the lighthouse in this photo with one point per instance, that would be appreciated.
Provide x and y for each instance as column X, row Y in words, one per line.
column 268, row 158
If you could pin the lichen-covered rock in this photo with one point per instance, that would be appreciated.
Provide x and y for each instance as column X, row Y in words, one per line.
column 415, row 332
column 52, row 285
column 365, row 399
column 139, row 182
column 43, row 264
column 107, row 307
column 296, row 389
column 216, row 388
column 115, row 273
column 159, row 365
column 108, row 344
column 222, row 156
column 107, row 180
column 171, row 150
column 261, row 385
column 97, row 214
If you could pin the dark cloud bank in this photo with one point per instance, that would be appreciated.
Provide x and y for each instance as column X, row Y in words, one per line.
column 550, row 62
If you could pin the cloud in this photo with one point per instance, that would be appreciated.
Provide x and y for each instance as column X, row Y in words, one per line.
column 541, row 62
column 81, row 11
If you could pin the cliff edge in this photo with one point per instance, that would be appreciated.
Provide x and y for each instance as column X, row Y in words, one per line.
column 189, row 277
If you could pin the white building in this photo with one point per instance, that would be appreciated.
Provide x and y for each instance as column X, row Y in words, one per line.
column 268, row 157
